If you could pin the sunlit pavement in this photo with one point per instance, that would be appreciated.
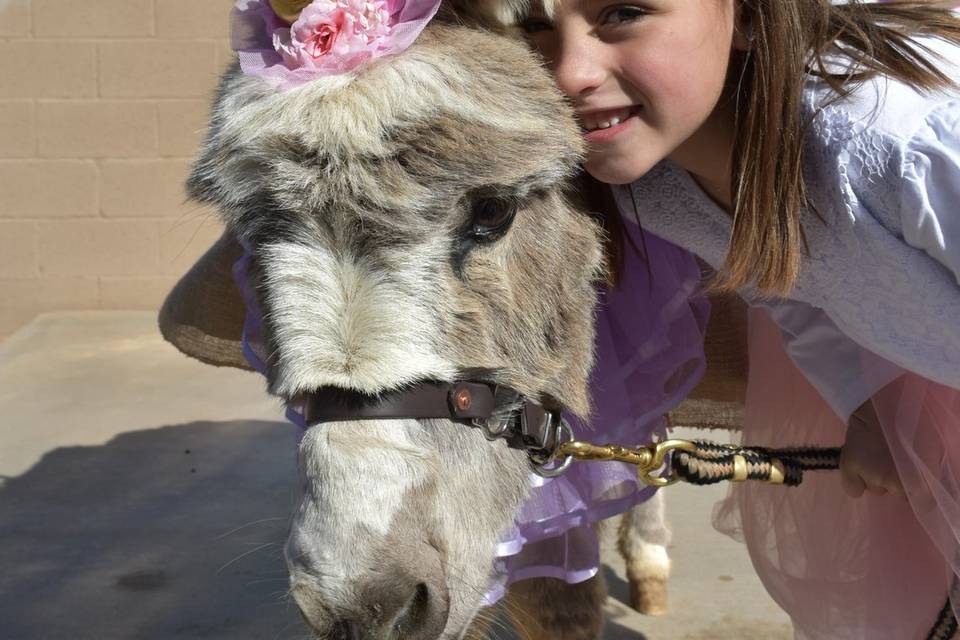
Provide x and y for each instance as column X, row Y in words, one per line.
column 144, row 495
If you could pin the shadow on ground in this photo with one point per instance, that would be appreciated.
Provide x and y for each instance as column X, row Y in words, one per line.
column 141, row 538
column 177, row 532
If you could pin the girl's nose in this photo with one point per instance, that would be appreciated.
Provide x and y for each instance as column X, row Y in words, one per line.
column 578, row 64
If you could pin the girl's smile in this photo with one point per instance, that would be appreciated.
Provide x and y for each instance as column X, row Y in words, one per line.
column 604, row 125
column 645, row 78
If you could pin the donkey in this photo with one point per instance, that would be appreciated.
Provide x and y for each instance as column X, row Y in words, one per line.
column 413, row 222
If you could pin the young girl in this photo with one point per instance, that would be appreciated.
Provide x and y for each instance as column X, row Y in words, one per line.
column 810, row 153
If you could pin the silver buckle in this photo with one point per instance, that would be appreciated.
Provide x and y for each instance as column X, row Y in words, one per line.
column 541, row 466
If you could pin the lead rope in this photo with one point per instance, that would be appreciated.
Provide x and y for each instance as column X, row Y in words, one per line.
column 711, row 463
column 703, row 463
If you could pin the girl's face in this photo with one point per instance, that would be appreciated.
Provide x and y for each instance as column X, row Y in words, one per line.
column 645, row 77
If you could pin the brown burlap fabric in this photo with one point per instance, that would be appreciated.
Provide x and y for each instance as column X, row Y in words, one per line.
column 717, row 402
column 203, row 315
column 203, row 318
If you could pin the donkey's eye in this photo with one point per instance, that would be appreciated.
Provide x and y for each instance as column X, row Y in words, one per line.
column 491, row 218
column 536, row 25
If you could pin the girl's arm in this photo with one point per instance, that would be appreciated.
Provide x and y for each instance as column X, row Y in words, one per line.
column 930, row 196
column 843, row 372
column 847, row 376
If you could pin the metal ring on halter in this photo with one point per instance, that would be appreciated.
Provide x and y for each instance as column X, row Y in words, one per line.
column 541, row 468
column 493, row 433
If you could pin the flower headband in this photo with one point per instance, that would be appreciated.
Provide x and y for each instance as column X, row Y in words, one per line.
column 288, row 43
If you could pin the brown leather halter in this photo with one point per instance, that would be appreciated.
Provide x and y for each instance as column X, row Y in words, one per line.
column 500, row 412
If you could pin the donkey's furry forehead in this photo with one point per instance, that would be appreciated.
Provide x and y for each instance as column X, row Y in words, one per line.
column 510, row 12
column 432, row 92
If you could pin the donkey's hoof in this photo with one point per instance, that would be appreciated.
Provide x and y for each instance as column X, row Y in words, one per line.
column 649, row 596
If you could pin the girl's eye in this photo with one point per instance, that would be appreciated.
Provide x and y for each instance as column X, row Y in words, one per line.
column 621, row 15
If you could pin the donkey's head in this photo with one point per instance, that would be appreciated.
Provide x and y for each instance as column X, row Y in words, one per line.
column 409, row 223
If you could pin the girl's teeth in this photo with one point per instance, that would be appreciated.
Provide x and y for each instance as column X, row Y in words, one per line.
column 607, row 124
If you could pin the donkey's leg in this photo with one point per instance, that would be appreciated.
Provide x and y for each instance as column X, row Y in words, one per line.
column 548, row 609
column 644, row 536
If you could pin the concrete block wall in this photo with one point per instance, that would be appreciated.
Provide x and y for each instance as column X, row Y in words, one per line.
column 102, row 106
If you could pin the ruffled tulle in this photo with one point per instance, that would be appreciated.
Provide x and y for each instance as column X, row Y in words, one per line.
column 876, row 567
column 649, row 349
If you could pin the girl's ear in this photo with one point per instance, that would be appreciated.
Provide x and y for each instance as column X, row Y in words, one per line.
column 743, row 31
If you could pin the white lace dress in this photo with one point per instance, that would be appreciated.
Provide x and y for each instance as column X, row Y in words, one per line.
column 875, row 314
column 880, row 283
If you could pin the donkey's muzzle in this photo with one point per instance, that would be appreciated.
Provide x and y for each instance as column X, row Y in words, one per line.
column 391, row 604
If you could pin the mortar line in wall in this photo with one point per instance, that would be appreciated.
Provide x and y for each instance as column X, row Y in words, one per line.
column 153, row 20
column 98, row 190
column 36, row 249
column 35, row 121
column 96, row 53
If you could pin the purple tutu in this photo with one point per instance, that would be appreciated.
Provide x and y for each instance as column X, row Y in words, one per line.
column 649, row 350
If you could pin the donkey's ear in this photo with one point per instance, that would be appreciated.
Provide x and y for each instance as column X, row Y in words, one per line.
column 203, row 315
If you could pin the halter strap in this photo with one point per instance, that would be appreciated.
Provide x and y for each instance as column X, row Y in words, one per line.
column 501, row 412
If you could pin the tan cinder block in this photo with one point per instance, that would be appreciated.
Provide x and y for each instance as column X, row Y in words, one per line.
column 18, row 129
column 48, row 189
column 82, row 248
column 48, row 69
column 96, row 129
column 15, row 18
column 108, row 18
column 183, row 241
column 193, row 19
column 134, row 294
column 24, row 298
column 18, row 250
column 157, row 69
column 182, row 125
column 144, row 188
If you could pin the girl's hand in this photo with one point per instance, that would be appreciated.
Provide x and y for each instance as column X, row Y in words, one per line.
column 866, row 463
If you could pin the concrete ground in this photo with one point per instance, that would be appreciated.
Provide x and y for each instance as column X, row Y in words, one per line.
column 146, row 496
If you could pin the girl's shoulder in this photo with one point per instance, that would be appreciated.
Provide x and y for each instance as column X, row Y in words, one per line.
column 885, row 107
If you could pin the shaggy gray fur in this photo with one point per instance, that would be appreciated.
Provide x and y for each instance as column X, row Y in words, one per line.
column 357, row 195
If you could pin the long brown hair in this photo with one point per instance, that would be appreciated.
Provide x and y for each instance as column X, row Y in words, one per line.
column 792, row 40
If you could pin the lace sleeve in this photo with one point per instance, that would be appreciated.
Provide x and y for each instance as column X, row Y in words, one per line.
column 842, row 371
column 930, row 196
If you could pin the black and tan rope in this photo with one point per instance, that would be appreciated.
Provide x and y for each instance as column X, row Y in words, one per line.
column 702, row 463
column 710, row 463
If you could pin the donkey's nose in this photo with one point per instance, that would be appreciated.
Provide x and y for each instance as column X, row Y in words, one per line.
column 414, row 615
column 390, row 607
column 405, row 608
column 343, row 630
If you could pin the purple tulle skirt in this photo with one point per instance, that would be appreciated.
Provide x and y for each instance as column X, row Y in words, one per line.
column 649, row 349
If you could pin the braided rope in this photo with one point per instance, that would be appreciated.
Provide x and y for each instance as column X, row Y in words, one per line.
column 946, row 625
column 710, row 463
